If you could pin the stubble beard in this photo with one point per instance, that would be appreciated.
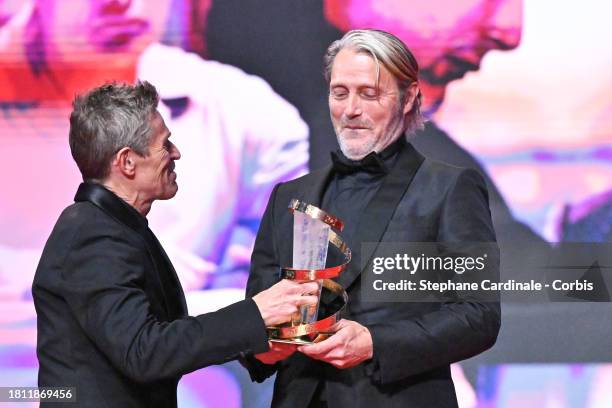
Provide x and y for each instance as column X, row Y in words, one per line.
column 358, row 152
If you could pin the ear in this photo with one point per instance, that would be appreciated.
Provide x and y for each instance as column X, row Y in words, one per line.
column 125, row 162
column 411, row 94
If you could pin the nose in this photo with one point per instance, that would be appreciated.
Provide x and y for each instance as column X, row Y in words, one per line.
column 353, row 106
column 175, row 153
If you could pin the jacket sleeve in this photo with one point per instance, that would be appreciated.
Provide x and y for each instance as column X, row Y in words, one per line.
column 456, row 330
column 103, row 277
column 264, row 272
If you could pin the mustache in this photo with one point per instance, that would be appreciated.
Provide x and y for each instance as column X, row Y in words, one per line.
column 355, row 123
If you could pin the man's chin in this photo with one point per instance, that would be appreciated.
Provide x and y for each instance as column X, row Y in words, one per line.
column 171, row 192
column 354, row 149
column 356, row 152
column 175, row 190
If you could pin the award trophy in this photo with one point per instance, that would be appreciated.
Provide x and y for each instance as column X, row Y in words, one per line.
column 313, row 229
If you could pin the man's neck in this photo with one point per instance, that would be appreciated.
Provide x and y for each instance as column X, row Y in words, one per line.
column 131, row 197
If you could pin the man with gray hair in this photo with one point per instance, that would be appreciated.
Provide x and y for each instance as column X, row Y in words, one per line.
column 112, row 318
column 387, row 354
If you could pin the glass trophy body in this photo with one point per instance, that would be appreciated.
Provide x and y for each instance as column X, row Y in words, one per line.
column 313, row 231
column 310, row 240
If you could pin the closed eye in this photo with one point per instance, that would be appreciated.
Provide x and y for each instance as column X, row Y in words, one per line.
column 338, row 93
column 369, row 93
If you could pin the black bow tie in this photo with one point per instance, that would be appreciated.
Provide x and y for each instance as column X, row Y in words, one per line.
column 372, row 163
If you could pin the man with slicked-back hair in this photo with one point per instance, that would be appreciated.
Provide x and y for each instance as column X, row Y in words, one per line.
column 382, row 354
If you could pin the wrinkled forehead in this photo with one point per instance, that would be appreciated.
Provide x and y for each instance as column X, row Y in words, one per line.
column 360, row 66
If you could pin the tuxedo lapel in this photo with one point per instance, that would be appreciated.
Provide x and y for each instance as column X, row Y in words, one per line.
column 176, row 290
column 380, row 210
column 127, row 215
column 320, row 180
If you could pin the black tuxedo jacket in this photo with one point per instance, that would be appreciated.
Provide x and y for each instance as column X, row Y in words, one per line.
column 112, row 318
column 420, row 200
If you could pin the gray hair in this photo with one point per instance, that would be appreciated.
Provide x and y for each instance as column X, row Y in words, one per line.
column 107, row 119
column 393, row 54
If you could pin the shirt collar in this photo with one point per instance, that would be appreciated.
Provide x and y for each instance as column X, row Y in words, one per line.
column 112, row 204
